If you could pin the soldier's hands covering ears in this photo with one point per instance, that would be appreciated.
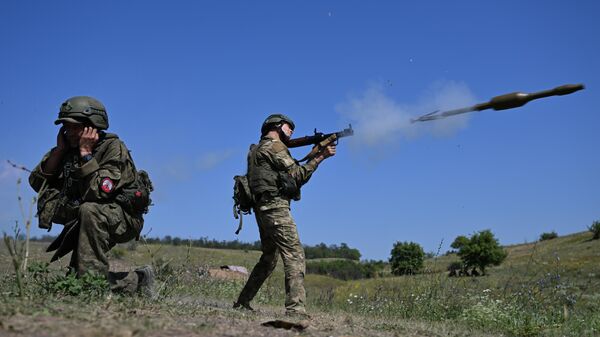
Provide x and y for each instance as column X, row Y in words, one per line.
column 88, row 140
column 61, row 140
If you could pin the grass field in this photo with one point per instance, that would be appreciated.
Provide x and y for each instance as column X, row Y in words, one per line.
column 550, row 288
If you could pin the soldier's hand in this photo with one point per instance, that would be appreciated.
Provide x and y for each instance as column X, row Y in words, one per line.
column 329, row 151
column 61, row 140
column 88, row 140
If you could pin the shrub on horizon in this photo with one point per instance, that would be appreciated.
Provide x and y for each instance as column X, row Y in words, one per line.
column 595, row 229
column 406, row 258
column 548, row 236
column 480, row 250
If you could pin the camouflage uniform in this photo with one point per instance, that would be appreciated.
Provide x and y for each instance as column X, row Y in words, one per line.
column 81, row 196
column 278, row 233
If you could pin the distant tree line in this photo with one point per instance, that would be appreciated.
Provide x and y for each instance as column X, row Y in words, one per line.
column 204, row 242
column 344, row 269
column 43, row 238
column 319, row 251
column 323, row 251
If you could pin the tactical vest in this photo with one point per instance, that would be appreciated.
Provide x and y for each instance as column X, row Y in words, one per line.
column 265, row 181
column 262, row 178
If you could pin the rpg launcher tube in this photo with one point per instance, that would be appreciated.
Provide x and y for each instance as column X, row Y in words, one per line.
column 503, row 102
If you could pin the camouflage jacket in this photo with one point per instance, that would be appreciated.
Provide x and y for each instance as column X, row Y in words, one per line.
column 265, row 163
column 98, row 180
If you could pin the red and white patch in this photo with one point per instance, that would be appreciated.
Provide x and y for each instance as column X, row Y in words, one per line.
column 107, row 185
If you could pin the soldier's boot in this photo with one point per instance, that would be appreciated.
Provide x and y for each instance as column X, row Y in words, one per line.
column 242, row 305
column 146, row 281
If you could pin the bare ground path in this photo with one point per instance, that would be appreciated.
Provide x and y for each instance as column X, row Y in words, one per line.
column 197, row 317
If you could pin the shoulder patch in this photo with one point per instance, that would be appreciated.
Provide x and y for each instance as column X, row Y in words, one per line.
column 107, row 185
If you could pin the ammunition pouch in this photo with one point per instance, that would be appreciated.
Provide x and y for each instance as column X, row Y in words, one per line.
column 287, row 185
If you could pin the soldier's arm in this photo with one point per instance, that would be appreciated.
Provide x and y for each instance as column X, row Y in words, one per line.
column 106, row 173
column 39, row 175
column 48, row 168
column 282, row 160
column 52, row 164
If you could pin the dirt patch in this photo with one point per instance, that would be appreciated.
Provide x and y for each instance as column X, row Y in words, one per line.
column 224, row 274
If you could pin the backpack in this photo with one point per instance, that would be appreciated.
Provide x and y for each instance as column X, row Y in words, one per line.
column 136, row 197
column 242, row 199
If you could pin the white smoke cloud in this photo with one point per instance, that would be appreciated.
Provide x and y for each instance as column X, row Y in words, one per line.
column 183, row 169
column 379, row 120
column 210, row 160
column 177, row 169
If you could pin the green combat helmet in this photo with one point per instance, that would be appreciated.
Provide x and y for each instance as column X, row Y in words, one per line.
column 81, row 109
column 276, row 119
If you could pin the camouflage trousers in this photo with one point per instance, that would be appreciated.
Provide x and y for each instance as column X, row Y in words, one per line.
column 98, row 228
column 278, row 236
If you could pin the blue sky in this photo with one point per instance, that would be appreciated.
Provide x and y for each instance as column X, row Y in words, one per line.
column 187, row 85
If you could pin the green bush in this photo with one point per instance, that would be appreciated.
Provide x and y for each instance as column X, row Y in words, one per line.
column 595, row 228
column 479, row 251
column 89, row 285
column 346, row 269
column 548, row 236
column 406, row 258
column 460, row 241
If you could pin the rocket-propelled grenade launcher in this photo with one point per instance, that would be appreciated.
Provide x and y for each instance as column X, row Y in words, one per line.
column 319, row 140
column 503, row 102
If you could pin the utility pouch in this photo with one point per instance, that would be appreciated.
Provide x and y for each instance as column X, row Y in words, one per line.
column 47, row 205
column 287, row 186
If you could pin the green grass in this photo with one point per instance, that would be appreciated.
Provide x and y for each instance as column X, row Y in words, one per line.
column 548, row 288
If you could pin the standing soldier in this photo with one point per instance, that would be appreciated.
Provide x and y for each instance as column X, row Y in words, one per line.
column 275, row 178
column 89, row 184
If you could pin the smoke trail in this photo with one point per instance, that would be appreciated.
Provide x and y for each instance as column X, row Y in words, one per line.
column 379, row 119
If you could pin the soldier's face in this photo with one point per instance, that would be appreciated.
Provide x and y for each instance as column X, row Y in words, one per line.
column 73, row 133
column 287, row 130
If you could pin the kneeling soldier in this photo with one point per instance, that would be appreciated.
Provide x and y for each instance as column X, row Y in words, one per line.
column 82, row 184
